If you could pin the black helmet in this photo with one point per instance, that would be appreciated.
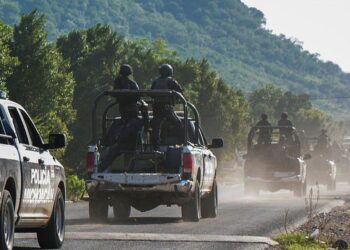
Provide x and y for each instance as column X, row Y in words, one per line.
column 166, row 70
column 284, row 115
column 263, row 116
column 125, row 70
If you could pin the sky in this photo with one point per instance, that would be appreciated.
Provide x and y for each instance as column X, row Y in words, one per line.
column 323, row 26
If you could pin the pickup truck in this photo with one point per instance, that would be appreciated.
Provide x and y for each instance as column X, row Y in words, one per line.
column 182, row 172
column 274, row 163
column 322, row 169
column 32, row 181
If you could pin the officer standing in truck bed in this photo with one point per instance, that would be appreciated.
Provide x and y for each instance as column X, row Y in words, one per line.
column 163, row 111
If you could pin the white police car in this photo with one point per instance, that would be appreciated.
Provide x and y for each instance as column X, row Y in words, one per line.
column 32, row 181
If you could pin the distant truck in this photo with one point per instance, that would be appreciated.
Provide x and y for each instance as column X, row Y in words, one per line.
column 32, row 181
column 276, row 164
column 322, row 169
column 182, row 172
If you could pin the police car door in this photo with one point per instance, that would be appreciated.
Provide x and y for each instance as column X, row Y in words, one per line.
column 31, row 170
column 42, row 179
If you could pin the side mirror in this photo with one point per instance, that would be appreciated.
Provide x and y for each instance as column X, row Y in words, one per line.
column 216, row 143
column 55, row 141
column 307, row 157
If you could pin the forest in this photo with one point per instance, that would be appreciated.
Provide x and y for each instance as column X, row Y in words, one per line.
column 57, row 81
column 229, row 35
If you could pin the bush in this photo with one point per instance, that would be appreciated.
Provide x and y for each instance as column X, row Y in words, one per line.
column 298, row 241
column 75, row 188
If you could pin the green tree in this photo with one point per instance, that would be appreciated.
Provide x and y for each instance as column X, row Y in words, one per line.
column 94, row 55
column 41, row 82
column 7, row 62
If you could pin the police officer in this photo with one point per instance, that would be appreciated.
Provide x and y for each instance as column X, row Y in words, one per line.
column 286, row 126
column 265, row 130
column 323, row 146
column 127, row 105
column 124, row 137
column 163, row 111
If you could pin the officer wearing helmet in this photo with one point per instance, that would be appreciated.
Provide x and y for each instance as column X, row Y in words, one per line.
column 123, row 137
column 323, row 146
column 127, row 106
column 164, row 111
column 286, row 126
column 265, row 130
column 166, row 80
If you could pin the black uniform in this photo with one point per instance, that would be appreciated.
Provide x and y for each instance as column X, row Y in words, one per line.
column 287, row 131
column 265, row 132
column 123, row 137
column 162, row 110
column 127, row 105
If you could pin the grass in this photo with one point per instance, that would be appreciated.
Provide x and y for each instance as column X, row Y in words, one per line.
column 298, row 241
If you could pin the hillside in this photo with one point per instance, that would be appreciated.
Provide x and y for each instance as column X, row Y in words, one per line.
column 227, row 32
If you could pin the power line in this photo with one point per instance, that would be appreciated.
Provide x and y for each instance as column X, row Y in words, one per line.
column 329, row 98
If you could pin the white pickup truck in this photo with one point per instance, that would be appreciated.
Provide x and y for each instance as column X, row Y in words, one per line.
column 32, row 181
column 182, row 172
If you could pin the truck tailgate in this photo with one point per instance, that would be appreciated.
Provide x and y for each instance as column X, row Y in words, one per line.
column 137, row 179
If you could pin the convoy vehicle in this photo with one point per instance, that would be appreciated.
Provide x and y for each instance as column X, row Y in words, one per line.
column 343, row 169
column 321, row 169
column 276, row 164
column 181, row 172
column 343, row 162
column 32, row 181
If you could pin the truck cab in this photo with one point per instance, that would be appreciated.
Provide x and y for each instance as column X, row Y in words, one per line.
column 32, row 181
column 181, row 172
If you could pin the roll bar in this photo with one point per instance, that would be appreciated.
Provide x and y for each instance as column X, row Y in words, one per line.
column 144, row 93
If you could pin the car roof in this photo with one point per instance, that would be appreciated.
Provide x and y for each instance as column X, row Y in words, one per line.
column 6, row 102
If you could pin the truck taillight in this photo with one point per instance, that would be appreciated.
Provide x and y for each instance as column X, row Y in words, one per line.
column 187, row 163
column 90, row 160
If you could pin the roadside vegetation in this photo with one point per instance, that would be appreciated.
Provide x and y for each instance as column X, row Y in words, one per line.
column 57, row 81
column 298, row 241
column 232, row 36
column 75, row 188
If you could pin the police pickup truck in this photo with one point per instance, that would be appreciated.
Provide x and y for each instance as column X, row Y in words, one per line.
column 181, row 172
column 32, row 181
column 274, row 161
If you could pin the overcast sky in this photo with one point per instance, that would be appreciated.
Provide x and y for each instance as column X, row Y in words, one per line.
column 322, row 25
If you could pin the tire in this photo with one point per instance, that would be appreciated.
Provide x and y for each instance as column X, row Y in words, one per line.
column 192, row 210
column 98, row 208
column 250, row 190
column 121, row 210
column 209, row 206
column 7, row 222
column 52, row 236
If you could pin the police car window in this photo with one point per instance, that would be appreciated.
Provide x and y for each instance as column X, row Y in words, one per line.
column 3, row 132
column 33, row 133
column 2, row 128
column 19, row 127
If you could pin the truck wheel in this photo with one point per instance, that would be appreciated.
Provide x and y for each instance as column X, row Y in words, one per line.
column 192, row 210
column 209, row 206
column 250, row 190
column 52, row 236
column 7, row 222
column 98, row 208
column 121, row 210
